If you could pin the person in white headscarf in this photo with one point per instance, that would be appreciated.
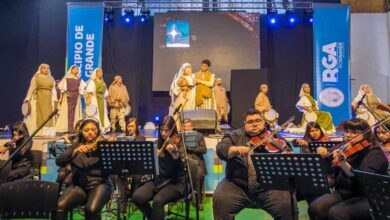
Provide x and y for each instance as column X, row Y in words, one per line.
column 42, row 96
column 96, row 93
column 70, row 111
column 182, row 89
column 308, row 105
column 365, row 103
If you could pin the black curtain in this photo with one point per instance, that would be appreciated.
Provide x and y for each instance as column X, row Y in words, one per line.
column 287, row 51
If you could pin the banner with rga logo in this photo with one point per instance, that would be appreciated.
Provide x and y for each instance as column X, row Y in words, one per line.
column 332, row 85
column 85, row 36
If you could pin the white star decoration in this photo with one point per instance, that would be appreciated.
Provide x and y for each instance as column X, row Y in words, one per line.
column 174, row 32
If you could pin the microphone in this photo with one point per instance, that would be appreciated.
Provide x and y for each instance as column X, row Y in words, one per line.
column 177, row 109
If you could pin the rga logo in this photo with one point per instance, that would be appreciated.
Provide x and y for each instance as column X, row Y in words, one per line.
column 329, row 62
column 331, row 97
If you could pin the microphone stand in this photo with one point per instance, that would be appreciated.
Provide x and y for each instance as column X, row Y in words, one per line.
column 187, row 165
column 369, row 110
column 29, row 139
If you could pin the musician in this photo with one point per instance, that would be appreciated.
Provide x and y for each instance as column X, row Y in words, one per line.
column 221, row 101
column 89, row 185
column 196, row 153
column 239, row 189
column 118, row 99
column 348, row 201
column 308, row 105
column 366, row 103
column 263, row 105
column 21, row 162
column 132, row 134
column 71, row 88
column 313, row 132
column 383, row 134
column 169, row 186
column 205, row 80
column 96, row 94
column 42, row 96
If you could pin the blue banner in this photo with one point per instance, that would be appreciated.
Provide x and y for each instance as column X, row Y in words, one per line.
column 85, row 36
column 332, row 85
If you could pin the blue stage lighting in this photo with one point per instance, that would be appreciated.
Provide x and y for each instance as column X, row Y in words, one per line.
column 108, row 15
column 156, row 118
column 144, row 15
column 128, row 15
column 308, row 15
column 291, row 20
column 272, row 16
column 272, row 20
column 291, row 16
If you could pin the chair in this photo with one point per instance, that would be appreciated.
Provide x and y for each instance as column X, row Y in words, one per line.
column 188, row 197
column 27, row 199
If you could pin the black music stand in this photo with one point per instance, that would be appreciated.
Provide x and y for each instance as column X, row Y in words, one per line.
column 376, row 188
column 292, row 172
column 327, row 144
column 28, row 199
column 127, row 158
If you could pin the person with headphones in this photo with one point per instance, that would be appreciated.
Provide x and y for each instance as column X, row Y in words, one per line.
column 89, row 185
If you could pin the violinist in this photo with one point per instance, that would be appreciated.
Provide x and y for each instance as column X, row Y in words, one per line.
column 89, row 185
column 383, row 134
column 169, row 186
column 21, row 162
column 360, row 152
column 239, row 189
column 313, row 132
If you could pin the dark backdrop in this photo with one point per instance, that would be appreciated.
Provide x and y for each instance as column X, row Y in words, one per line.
column 34, row 32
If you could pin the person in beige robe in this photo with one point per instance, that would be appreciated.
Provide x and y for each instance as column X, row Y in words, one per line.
column 263, row 105
column 42, row 96
column 118, row 99
column 221, row 101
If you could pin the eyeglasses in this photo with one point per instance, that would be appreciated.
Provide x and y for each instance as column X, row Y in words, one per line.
column 252, row 122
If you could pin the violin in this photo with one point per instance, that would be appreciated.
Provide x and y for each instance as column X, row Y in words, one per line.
column 13, row 141
column 272, row 145
column 349, row 151
column 171, row 140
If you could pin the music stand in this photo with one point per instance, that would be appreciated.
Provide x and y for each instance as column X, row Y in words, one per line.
column 376, row 188
column 327, row 144
column 128, row 157
column 190, row 138
column 304, row 172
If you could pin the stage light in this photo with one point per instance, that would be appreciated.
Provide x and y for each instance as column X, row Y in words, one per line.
column 272, row 16
column 108, row 15
column 308, row 15
column 128, row 15
column 156, row 118
column 144, row 15
column 291, row 16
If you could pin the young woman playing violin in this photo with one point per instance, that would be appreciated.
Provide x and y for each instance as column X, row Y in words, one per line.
column 383, row 134
column 21, row 162
column 169, row 186
column 89, row 185
column 361, row 152
column 313, row 132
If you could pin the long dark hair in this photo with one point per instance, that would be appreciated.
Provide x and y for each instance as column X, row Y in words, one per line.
column 385, row 126
column 358, row 124
column 168, row 123
column 83, row 124
column 136, row 126
column 309, row 126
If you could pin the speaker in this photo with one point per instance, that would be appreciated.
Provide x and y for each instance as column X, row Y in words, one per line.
column 202, row 119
